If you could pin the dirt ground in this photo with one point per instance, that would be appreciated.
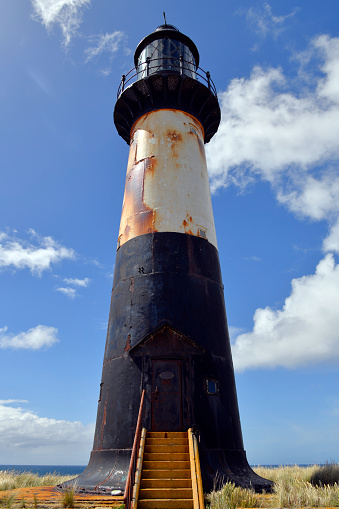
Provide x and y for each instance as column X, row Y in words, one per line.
column 45, row 496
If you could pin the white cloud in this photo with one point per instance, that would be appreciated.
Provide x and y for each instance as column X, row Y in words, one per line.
column 285, row 132
column 264, row 22
column 65, row 13
column 305, row 331
column 38, row 337
column 21, row 254
column 331, row 243
column 70, row 292
column 26, row 438
column 252, row 258
column 77, row 282
column 316, row 198
column 270, row 132
column 10, row 401
column 104, row 43
column 234, row 332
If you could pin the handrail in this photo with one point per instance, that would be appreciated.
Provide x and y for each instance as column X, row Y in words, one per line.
column 134, row 456
column 198, row 493
column 198, row 472
column 136, row 487
column 157, row 65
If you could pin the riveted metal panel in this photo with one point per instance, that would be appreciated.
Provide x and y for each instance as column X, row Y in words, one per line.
column 167, row 153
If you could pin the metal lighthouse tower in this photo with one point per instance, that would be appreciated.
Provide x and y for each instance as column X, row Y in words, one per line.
column 167, row 332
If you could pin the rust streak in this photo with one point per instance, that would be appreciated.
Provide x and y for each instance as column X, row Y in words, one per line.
column 128, row 343
column 137, row 217
column 103, row 423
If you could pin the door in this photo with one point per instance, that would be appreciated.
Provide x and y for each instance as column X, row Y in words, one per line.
column 166, row 395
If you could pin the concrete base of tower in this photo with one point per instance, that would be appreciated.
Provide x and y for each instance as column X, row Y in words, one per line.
column 221, row 466
column 106, row 471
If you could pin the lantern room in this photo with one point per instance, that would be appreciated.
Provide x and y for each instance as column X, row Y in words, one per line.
column 166, row 50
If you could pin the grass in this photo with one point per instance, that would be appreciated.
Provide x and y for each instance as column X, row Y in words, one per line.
column 12, row 480
column 293, row 488
column 326, row 475
column 67, row 498
column 231, row 497
column 315, row 486
column 7, row 501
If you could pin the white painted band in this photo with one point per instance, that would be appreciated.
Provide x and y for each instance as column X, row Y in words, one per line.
column 167, row 186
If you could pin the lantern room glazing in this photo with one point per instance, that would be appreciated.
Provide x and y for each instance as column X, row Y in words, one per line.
column 167, row 50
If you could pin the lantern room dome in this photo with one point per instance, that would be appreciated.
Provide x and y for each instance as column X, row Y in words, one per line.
column 170, row 33
column 165, row 27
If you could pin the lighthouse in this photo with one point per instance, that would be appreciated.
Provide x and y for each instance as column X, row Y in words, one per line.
column 167, row 334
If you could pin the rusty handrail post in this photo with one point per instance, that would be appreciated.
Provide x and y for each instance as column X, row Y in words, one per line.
column 134, row 456
column 208, row 75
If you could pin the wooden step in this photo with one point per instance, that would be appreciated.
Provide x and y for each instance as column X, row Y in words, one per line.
column 160, row 448
column 167, row 441
column 166, row 474
column 166, row 434
column 166, row 465
column 166, row 456
column 166, row 483
column 165, row 493
column 165, row 504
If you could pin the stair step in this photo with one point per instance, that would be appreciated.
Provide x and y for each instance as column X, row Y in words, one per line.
column 166, row 474
column 159, row 448
column 166, row 456
column 168, row 493
column 156, row 503
column 167, row 441
column 166, row 483
column 166, row 465
column 166, row 434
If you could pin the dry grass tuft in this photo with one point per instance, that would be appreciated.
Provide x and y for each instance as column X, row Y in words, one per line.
column 68, row 498
column 292, row 488
column 326, row 475
column 12, row 480
column 231, row 497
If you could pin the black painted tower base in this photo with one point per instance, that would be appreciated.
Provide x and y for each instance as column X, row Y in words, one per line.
column 167, row 334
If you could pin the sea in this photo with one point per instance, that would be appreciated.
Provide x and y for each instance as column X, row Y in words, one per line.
column 77, row 469
column 46, row 469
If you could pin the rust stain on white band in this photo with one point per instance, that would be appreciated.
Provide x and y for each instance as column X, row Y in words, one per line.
column 167, row 186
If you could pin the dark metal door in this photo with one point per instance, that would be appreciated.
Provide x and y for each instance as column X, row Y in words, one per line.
column 166, row 395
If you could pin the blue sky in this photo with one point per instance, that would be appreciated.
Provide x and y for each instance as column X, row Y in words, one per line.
column 275, row 181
